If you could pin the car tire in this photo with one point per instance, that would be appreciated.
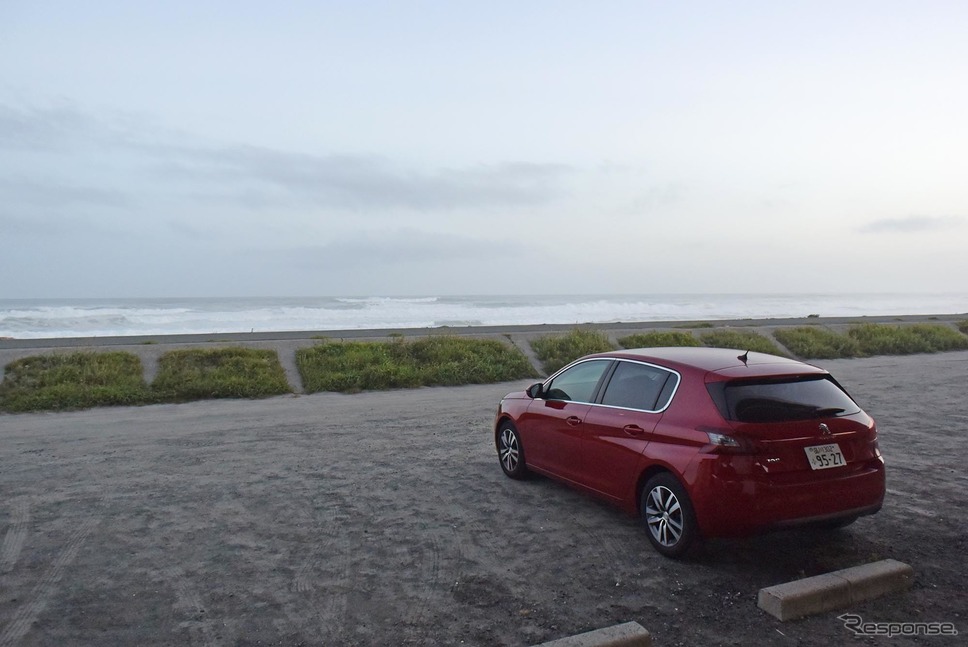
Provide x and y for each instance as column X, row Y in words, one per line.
column 668, row 515
column 510, row 452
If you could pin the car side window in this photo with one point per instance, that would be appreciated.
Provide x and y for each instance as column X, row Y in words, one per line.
column 666, row 395
column 639, row 386
column 577, row 383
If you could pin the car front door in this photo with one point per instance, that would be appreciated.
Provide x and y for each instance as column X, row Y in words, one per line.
column 556, row 419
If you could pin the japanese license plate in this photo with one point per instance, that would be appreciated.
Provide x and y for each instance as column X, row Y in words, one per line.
column 823, row 457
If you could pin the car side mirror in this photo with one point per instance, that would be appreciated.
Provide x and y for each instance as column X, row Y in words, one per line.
column 536, row 390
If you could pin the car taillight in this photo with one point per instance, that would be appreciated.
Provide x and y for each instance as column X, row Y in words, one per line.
column 729, row 444
column 875, row 447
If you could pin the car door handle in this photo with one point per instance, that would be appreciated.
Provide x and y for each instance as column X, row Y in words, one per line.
column 633, row 430
column 574, row 421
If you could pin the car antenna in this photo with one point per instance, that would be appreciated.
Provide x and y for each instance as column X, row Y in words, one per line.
column 744, row 357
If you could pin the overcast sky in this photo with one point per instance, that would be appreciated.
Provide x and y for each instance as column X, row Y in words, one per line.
column 404, row 148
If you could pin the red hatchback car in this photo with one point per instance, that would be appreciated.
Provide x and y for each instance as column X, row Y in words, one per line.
column 702, row 442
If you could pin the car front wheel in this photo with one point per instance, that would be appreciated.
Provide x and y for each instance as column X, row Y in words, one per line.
column 510, row 451
column 668, row 515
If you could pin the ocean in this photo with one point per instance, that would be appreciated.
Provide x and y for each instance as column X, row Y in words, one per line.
column 40, row 318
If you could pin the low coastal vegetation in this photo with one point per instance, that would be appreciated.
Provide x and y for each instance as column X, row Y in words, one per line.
column 62, row 381
column 555, row 351
column 350, row 367
column 805, row 342
column 94, row 379
column 874, row 339
column 203, row 373
column 740, row 339
column 658, row 338
column 813, row 342
column 73, row 381
column 865, row 340
column 701, row 324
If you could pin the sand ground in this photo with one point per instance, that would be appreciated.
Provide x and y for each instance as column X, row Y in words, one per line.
column 384, row 519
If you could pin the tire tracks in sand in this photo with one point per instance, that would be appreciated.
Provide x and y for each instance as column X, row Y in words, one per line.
column 199, row 627
column 340, row 583
column 46, row 587
column 13, row 541
column 325, row 575
column 27, row 614
column 426, row 567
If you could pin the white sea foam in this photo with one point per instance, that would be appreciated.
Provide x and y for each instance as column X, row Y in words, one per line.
column 122, row 317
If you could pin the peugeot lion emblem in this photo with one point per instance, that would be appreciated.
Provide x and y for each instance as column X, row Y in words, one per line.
column 824, row 429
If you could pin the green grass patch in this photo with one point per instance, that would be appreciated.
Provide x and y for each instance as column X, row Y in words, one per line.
column 963, row 326
column 874, row 339
column 556, row 351
column 434, row 361
column 704, row 324
column 741, row 340
column 659, row 338
column 199, row 374
column 73, row 381
column 811, row 342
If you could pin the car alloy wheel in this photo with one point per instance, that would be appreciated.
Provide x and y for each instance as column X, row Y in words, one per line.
column 664, row 516
column 667, row 513
column 510, row 451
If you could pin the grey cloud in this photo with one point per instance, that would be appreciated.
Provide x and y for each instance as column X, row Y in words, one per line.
column 261, row 176
column 31, row 129
column 64, row 127
column 393, row 248
column 46, row 129
column 11, row 225
column 912, row 224
column 654, row 200
column 53, row 195
column 253, row 177
column 49, row 227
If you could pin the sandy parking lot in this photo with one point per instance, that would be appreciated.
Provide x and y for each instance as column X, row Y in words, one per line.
column 384, row 519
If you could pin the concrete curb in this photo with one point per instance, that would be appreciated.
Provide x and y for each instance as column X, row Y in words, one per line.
column 835, row 590
column 629, row 634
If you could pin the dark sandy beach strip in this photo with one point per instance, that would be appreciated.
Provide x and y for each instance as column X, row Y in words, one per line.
column 526, row 331
column 383, row 518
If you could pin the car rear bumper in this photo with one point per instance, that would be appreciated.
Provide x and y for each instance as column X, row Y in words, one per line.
column 735, row 503
column 829, row 517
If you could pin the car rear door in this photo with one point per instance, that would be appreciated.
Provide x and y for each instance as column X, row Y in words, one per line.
column 620, row 426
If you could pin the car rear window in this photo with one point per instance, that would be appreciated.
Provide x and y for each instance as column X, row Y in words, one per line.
column 780, row 400
column 639, row 386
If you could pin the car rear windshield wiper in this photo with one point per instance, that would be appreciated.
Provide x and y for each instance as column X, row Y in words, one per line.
column 829, row 411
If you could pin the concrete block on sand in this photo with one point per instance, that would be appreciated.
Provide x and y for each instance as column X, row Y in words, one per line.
column 835, row 590
column 629, row 634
